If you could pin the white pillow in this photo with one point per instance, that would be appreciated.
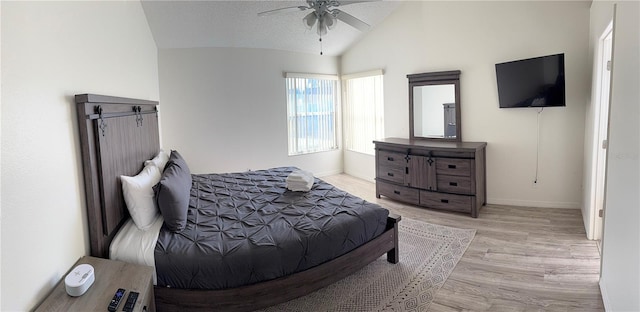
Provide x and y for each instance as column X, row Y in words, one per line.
column 139, row 196
column 159, row 161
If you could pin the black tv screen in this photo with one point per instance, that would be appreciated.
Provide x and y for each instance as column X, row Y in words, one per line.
column 534, row 82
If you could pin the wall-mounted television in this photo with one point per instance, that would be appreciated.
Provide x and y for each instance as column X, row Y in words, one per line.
column 533, row 82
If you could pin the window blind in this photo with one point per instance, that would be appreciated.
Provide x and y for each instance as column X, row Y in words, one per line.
column 311, row 113
column 363, row 111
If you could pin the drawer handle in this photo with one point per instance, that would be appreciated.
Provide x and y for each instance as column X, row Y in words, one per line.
column 390, row 158
column 390, row 174
column 453, row 183
column 396, row 192
column 446, row 201
column 452, row 166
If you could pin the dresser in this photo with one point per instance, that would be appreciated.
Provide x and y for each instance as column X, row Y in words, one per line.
column 440, row 175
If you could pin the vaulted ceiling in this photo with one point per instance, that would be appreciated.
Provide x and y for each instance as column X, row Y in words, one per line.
column 190, row 24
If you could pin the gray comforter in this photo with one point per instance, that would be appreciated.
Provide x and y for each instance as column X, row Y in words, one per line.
column 245, row 228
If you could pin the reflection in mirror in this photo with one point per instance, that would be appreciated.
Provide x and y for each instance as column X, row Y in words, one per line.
column 434, row 106
column 434, row 112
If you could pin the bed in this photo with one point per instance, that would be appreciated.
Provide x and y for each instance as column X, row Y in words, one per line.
column 118, row 134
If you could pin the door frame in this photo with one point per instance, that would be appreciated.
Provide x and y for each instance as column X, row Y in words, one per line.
column 600, row 133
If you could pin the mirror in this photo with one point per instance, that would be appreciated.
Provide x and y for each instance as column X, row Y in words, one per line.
column 434, row 106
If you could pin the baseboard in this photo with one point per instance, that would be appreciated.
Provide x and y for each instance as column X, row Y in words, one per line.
column 361, row 177
column 531, row 203
column 605, row 295
column 327, row 173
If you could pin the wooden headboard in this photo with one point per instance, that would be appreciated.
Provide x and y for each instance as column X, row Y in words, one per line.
column 116, row 136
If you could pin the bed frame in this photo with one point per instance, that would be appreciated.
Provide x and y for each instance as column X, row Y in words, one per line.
column 117, row 135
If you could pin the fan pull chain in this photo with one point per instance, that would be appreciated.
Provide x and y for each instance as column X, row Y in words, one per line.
column 320, row 45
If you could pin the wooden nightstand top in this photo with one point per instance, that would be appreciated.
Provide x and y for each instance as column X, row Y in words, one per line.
column 110, row 275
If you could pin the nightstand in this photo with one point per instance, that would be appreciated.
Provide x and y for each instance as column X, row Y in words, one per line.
column 110, row 275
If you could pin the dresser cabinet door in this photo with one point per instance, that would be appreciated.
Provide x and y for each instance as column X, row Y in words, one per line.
column 421, row 172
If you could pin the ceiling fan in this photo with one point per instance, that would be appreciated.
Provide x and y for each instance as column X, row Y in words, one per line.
column 325, row 13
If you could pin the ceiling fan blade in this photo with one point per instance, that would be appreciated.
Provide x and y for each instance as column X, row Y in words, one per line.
column 283, row 10
column 351, row 20
column 347, row 2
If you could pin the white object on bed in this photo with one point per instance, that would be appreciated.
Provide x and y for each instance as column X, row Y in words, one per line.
column 159, row 160
column 139, row 196
column 300, row 181
column 136, row 246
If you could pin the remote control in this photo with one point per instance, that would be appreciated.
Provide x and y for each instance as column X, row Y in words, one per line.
column 115, row 301
column 131, row 301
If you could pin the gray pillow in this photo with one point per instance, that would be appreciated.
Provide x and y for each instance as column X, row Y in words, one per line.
column 173, row 191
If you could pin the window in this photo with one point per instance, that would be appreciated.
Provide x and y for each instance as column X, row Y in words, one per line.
column 363, row 111
column 311, row 113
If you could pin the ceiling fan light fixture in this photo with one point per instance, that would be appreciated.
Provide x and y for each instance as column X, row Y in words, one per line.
column 310, row 20
column 329, row 20
column 322, row 27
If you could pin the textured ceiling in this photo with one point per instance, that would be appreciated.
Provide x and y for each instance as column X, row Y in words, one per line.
column 189, row 24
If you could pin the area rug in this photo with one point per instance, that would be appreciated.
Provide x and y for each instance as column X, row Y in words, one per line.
column 428, row 254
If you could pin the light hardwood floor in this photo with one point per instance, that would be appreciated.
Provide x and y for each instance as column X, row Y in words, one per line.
column 521, row 259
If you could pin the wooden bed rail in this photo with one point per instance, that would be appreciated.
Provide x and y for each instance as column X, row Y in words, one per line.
column 265, row 294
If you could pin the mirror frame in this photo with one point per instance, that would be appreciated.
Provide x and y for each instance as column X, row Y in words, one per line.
column 435, row 78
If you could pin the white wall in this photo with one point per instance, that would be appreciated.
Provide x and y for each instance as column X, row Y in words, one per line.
column 225, row 109
column 472, row 37
column 432, row 119
column 620, row 274
column 50, row 52
column 0, row 157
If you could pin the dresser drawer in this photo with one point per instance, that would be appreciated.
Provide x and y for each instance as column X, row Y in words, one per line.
column 454, row 184
column 397, row 192
column 391, row 173
column 391, row 159
column 443, row 201
column 453, row 166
